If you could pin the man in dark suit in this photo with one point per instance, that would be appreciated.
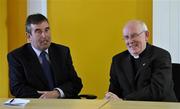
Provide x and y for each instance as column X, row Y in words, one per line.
column 40, row 68
column 144, row 71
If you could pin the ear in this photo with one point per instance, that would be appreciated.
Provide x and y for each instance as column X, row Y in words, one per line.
column 28, row 35
column 147, row 35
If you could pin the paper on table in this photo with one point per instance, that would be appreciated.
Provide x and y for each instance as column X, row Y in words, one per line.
column 17, row 102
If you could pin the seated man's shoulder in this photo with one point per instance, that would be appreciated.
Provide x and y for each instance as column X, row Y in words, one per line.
column 159, row 50
column 20, row 50
column 121, row 55
column 58, row 46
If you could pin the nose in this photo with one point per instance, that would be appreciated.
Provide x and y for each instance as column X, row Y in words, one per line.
column 130, row 39
column 43, row 34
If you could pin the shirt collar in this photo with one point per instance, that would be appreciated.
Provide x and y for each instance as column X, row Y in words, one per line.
column 38, row 51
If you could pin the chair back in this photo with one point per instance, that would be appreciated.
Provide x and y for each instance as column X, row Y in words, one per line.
column 176, row 79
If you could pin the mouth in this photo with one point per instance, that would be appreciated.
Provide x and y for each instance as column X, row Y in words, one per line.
column 45, row 42
column 132, row 46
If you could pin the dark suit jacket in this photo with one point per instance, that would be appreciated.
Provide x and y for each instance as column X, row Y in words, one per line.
column 26, row 75
column 153, row 80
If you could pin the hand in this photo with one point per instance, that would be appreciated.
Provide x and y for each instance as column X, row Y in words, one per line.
column 110, row 95
column 49, row 94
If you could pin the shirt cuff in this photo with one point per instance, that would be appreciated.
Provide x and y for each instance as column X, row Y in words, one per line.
column 61, row 92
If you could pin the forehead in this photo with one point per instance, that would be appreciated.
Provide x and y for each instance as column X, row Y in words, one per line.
column 41, row 25
column 132, row 27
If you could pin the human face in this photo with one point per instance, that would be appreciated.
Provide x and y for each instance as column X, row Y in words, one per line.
column 40, row 36
column 135, row 38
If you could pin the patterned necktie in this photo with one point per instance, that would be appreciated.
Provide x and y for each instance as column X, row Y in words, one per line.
column 47, row 70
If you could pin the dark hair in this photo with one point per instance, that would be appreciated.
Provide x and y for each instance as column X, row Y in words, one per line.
column 34, row 19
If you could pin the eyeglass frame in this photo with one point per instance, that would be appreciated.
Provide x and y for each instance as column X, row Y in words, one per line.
column 133, row 36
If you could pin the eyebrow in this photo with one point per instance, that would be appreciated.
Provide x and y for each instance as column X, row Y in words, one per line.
column 47, row 27
column 135, row 33
column 38, row 29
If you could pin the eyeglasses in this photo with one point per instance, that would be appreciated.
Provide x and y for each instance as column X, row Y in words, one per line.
column 132, row 36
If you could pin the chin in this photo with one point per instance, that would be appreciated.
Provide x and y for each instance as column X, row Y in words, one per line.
column 44, row 48
column 134, row 52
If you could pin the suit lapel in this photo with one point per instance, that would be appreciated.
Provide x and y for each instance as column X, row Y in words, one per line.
column 35, row 66
column 145, row 59
column 143, row 65
column 128, row 68
column 55, row 65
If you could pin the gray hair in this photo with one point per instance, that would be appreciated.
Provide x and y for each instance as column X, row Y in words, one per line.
column 144, row 26
column 139, row 22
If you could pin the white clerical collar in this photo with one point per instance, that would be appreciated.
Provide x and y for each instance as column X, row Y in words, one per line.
column 136, row 57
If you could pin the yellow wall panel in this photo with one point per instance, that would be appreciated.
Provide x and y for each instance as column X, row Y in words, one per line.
column 3, row 50
column 16, row 23
column 93, row 31
column 16, row 15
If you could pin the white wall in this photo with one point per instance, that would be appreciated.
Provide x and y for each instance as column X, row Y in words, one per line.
column 37, row 6
column 166, row 26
